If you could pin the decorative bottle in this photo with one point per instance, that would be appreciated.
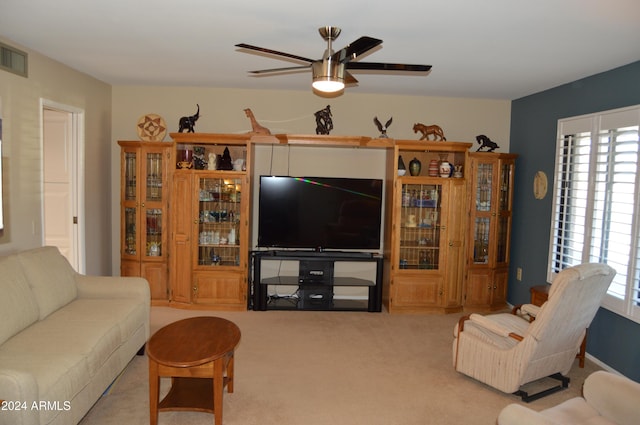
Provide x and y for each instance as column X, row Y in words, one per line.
column 414, row 167
column 433, row 168
column 402, row 169
column 445, row 169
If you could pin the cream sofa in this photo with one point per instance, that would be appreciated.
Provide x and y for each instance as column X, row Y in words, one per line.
column 64, row 337
column 607, row 399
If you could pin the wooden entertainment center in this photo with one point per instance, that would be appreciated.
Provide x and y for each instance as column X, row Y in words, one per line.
column 187, row 228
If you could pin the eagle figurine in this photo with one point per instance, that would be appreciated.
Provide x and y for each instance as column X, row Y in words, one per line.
column 382, row 128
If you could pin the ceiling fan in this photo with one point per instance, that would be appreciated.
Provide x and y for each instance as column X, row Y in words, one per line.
column 330, row 74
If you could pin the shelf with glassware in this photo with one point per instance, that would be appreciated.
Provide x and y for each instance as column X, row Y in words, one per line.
column 424, row 227
column 420, row 226
column 220, row 276
column 218, row 223
column 488, row 253
column 145, row 173
column 210, row 221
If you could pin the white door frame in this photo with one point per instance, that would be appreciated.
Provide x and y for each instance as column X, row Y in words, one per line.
column 77, row 176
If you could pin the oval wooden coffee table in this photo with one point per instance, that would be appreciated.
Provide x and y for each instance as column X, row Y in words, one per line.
column 197, row 354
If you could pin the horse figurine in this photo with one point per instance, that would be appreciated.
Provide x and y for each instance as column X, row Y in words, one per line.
column 428, row 130
column 256, row 128
column 324, row 123
column 187, row 123
column 485, row 142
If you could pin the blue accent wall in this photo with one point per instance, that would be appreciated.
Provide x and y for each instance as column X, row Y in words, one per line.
column 612, row 339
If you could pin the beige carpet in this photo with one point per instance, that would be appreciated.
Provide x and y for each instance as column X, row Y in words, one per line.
column 320, row 368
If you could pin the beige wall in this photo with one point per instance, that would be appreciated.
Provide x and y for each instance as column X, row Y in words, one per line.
column 111, row 114
column 20, row 100
column 221, row 111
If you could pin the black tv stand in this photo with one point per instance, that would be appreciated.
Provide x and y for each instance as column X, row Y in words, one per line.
column 315, row 282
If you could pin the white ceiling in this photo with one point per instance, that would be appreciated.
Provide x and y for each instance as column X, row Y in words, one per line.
column 502, row 49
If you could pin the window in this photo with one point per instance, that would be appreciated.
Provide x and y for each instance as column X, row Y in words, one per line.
column 596, row 205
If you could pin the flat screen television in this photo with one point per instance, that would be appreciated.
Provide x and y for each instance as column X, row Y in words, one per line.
column 319, row 213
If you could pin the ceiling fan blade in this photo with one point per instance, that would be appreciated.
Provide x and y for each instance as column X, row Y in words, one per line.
column 355, row 49
column 273, row 52
column 349, row 79
column 377, row 66
column 289, row 68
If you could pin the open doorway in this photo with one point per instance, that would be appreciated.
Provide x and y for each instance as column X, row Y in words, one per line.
column 62, row 177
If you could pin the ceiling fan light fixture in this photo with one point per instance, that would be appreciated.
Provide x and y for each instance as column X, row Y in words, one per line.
column 327, row 85
column 328, row 76
column 333, row 72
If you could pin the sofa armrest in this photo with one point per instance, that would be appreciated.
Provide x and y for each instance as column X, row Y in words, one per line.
column 516, row 414
column 615, row 397
column 21, row 387
column 112, row 287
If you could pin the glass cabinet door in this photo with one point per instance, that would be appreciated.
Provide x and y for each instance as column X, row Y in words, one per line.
column 130, row 204
column 153, row 234
column 504, row 211
column 484, row 179
column 219, row 202
column 143, row 203
column 130, row 231
column 130, row 171
column 420, row 227
column 154, row 176
column 484, row 204
column 153, row 220
column 493, row 182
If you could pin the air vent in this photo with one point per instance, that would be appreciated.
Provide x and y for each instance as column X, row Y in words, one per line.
column 13, row 60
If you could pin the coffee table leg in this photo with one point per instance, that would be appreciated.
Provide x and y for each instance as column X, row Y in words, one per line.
column 230, row 375
column 218, row 388
column 154, row 392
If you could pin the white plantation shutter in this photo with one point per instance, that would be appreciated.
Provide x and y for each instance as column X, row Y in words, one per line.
column 596, row 207
column 571, row 195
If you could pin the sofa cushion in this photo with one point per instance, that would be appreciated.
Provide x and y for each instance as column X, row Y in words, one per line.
column 67, row 350
column 18, row 307
column 59, row 372
column 50, row 277
column 96, row 328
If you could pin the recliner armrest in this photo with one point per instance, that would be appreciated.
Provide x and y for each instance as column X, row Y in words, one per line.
column 490, row 325
column 498, row 328
column 530, row 309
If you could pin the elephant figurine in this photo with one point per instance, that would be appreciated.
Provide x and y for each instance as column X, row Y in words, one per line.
column 187, row 123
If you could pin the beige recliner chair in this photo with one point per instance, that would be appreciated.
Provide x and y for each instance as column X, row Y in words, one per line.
column 607, row 399
column 507, row 351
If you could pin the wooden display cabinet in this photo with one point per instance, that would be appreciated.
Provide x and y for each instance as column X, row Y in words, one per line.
column 210, row 223
column 424, row 230
column 446, row 240
column 145, row 173
column 490, row 179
